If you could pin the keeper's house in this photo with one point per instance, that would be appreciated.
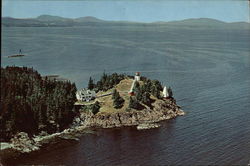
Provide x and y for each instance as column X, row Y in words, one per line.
column 85, row 95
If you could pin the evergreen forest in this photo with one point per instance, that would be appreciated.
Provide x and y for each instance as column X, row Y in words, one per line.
column 32, row 103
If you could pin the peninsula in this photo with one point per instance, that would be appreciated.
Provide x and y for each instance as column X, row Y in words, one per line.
column 121, row 100
column 61, row 112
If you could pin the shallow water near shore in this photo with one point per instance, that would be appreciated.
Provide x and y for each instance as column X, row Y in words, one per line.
column 209, row 74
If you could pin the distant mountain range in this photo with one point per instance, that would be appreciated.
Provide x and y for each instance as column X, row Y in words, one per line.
column 56, row 21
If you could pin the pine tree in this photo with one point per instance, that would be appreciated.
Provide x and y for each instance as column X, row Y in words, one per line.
column 138, row 94
column 99, row 85
column 170, row 92
column 118, row 101
column 143, row 89
column 148, row 85
column 96, row 107
column 157, row 84
column 155, row 92
column 133, row 103
column 146, row 98
column 137, row 91
column 91, row 84
column 115, row 94
column 137, row 85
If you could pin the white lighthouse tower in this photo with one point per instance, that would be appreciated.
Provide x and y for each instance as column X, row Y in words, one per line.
column 165, row 92
column 137, row 76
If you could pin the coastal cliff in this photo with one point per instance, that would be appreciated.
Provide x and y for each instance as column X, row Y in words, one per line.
column 163, row 110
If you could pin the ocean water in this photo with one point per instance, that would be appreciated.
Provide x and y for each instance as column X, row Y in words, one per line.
column 208, row 70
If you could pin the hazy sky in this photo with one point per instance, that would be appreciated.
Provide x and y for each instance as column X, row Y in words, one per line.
column 137, row 10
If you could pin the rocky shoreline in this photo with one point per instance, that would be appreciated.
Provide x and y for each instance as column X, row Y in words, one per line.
column 161, row 110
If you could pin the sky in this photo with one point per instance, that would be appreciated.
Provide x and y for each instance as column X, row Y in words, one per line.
column 131, row 10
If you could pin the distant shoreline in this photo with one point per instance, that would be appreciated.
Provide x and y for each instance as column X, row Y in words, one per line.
column 57, row 21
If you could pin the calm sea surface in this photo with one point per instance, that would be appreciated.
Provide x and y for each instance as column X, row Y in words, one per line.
column 208, row 70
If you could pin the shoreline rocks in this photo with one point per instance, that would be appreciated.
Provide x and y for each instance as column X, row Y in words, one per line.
column 143, row 119
column 162, row 110
column 147, row 126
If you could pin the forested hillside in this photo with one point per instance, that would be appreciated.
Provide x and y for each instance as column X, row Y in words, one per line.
column 32, row 104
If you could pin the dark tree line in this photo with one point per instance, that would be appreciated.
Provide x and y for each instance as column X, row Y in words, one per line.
column 152, row 86
column 32, row 104
column 106, row 82
column 142, row 93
